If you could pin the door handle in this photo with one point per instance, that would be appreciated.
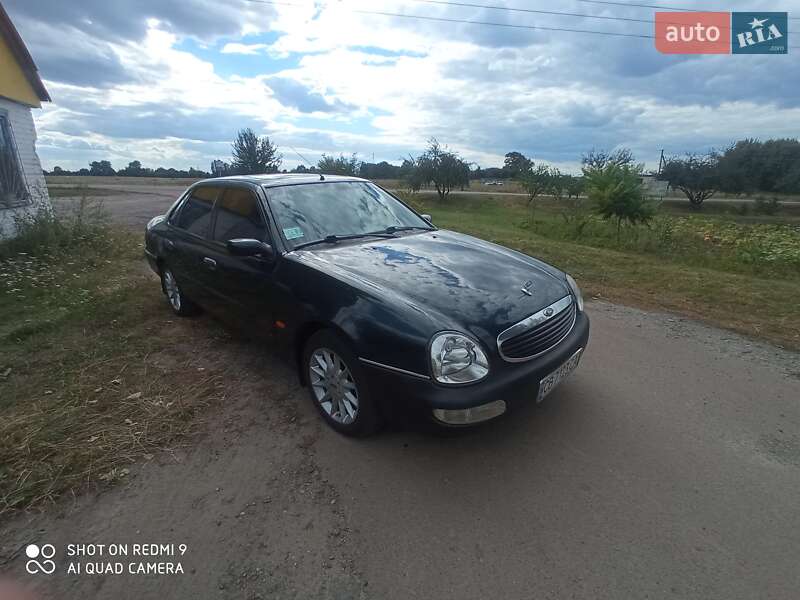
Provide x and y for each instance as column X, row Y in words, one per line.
column 210, row 263
column 169, row 244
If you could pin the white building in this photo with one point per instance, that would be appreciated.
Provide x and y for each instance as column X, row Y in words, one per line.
column 22, row 187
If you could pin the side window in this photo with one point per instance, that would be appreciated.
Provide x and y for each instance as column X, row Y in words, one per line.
column 13, row 191
column 195, row 214
column 238, row 216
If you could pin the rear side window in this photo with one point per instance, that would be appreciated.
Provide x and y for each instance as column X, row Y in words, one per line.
column 239, row 216
column 195, row 215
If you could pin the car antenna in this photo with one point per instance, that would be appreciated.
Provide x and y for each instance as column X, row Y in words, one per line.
column 302, row 158
column 308, row 165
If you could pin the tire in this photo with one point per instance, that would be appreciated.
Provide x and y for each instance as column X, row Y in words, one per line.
column 180, row 305
column 337, row 385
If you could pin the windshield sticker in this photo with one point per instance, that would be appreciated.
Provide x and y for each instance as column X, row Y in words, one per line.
column 292, row 233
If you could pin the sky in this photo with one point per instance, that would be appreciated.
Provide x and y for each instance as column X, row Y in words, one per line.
column 170, row 82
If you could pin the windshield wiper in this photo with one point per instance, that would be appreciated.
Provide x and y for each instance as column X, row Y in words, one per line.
column 394, row 229
column 332, row 239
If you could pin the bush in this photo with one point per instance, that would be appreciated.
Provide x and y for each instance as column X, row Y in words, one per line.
column 85, row 224
column 616, row 192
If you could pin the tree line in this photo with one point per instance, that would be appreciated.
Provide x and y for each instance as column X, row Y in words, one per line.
column 745, row 167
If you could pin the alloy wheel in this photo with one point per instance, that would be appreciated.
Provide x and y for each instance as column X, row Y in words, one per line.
column 333, row 385
column 172, row 290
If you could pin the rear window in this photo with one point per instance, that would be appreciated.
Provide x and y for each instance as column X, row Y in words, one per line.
column 195, row 214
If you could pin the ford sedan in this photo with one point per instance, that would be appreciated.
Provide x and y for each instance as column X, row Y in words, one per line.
column 382, row 313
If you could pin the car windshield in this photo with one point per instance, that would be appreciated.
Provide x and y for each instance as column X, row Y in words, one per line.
column 314, row 211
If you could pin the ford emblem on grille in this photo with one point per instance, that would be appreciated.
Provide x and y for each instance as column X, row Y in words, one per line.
column 539, row 332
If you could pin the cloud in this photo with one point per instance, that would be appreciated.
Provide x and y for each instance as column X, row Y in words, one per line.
column 297, row 95
column 127, row 20
column 173, row 81
column 236, row 48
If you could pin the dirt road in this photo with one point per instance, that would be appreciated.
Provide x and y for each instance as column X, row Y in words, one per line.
column 667, row 466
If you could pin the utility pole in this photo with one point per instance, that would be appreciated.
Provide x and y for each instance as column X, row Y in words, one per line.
column 661, row 162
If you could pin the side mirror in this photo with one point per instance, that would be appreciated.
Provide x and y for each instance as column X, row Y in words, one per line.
column 248, row 247
column 427, row 218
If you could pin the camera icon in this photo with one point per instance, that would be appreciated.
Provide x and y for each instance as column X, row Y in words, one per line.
column 46, row 552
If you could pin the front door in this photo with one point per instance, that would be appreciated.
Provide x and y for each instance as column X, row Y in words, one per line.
column 243, row 285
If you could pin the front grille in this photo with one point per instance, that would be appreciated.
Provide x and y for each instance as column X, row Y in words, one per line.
column 538, row 333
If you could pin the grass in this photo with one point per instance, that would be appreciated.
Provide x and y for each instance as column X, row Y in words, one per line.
column 686, row 273
column 95, row 374
column 79, row 190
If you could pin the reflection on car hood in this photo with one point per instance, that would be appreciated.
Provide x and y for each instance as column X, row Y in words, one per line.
column 468, row 281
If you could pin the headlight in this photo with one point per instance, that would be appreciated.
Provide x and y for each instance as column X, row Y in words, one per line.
column 455, row 359
column 576, row 291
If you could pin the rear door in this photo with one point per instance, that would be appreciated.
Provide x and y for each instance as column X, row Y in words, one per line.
column 243, row 283
column 187, row 246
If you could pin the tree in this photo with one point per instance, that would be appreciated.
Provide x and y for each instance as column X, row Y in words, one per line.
column 134, row 169
column 697, row 176
column 535, row 181
column 616, row 192
column 253, row 154
column 339, row 166
column 219, row 168
column 574, row 186
column 516, row 163
column 411, row 175
column 600, row 158
column 574, row 208
column 443, row 168
column 101, row 168
column 753, row 166
column 381, row 170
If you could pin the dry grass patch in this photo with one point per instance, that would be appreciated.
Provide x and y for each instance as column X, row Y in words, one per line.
column 83, row 390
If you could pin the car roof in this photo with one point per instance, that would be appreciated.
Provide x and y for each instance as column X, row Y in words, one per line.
column 277, row 179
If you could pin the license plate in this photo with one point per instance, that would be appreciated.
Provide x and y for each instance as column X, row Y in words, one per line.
column 549, row 383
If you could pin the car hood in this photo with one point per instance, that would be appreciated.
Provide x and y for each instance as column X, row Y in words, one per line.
column 458, row 280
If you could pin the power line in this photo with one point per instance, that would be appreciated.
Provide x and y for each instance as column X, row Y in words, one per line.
column 470, row 22
column 542, row 12
column 488, row 23
column 656, row 6
column 510, row 25
column 533, row 11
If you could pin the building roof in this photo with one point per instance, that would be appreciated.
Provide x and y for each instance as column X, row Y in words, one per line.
column 12, row 38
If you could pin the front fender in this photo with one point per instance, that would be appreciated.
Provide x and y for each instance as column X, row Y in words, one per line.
column 382, row 326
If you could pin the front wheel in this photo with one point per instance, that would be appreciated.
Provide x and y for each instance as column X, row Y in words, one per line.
column 337, row 386
column 180, row 305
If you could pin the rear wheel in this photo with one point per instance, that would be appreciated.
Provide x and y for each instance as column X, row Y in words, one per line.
column 180, row 305
column 337, row 387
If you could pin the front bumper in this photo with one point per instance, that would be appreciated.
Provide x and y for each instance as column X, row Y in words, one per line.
column 152, row 260
column 513, row 383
